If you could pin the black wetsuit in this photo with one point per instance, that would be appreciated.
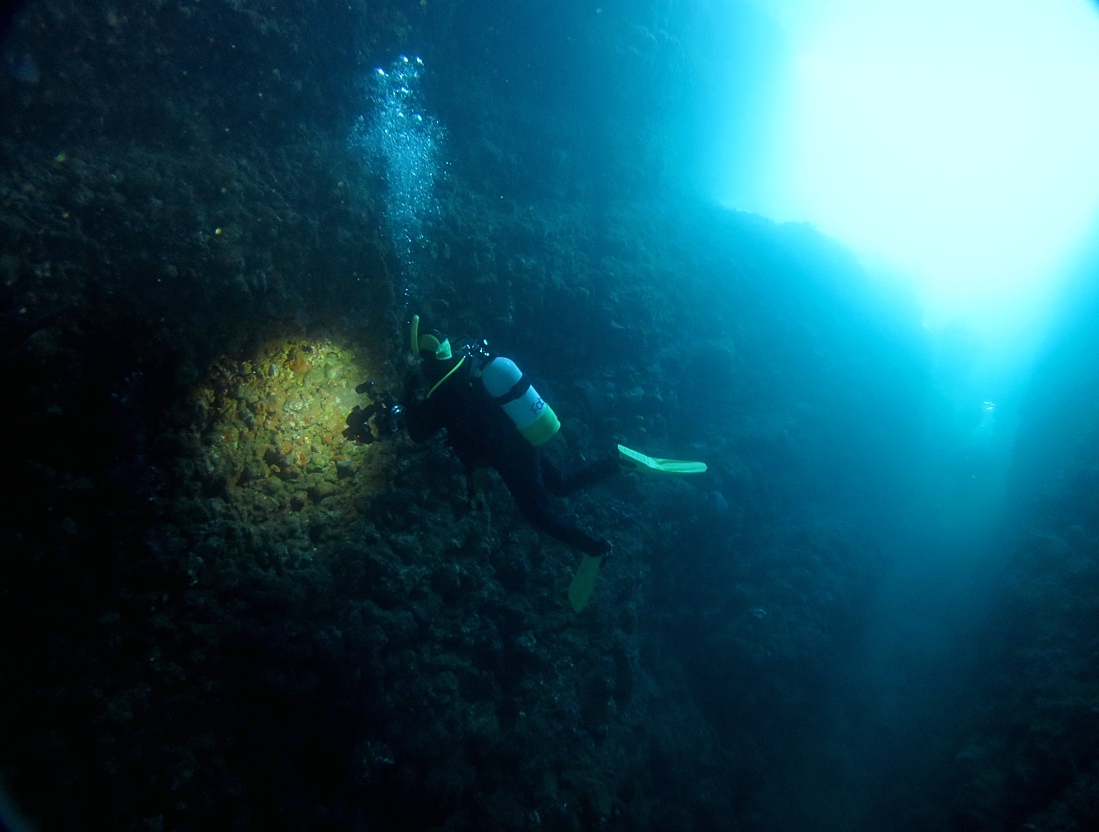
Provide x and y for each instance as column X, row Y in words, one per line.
column 481, row 433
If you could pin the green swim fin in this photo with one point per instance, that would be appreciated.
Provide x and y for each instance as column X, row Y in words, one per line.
column 583, row 585
column 635, row 461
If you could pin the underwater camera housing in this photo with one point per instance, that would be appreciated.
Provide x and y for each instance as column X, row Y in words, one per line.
column 383, row 416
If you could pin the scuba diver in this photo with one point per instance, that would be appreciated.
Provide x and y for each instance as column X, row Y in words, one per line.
column 494, row 418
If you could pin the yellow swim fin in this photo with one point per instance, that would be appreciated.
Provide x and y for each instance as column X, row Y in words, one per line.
column 636, row 461
column 583, row 585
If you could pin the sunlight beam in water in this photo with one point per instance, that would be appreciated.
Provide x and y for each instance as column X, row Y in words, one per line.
column 954, row 140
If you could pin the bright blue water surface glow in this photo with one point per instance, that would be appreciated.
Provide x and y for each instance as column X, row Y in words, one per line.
column 955, row 141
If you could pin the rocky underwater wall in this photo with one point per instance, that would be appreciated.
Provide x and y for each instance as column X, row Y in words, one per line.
column 218, row 613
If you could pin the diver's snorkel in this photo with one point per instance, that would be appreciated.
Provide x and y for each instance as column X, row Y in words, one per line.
column 438, row 345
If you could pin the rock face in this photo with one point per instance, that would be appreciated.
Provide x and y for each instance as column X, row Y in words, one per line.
column 221, row 613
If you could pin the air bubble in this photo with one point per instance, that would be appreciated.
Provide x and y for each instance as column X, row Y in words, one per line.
column 400, row 141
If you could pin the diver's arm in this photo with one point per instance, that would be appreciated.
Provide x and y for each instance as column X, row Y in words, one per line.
column 423, row 419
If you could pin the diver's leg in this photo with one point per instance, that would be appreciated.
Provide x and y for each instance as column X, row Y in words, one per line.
column 552, row 477
column 538, row 513
column 522, row 474
column 562, row 485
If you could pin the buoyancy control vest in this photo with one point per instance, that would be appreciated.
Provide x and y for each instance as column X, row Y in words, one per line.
column 510, row 389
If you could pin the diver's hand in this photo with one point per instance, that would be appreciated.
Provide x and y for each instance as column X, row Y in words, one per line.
column 394, row 418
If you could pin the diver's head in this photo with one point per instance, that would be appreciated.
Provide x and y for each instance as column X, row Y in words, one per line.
column 438, row 358
column 433, row 351
column 430, row 345
column 434, row 346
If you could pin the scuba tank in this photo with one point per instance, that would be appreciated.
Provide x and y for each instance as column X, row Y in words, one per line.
column 511, row 390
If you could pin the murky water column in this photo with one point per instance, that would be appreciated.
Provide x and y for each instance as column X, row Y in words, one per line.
column 400, row 141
